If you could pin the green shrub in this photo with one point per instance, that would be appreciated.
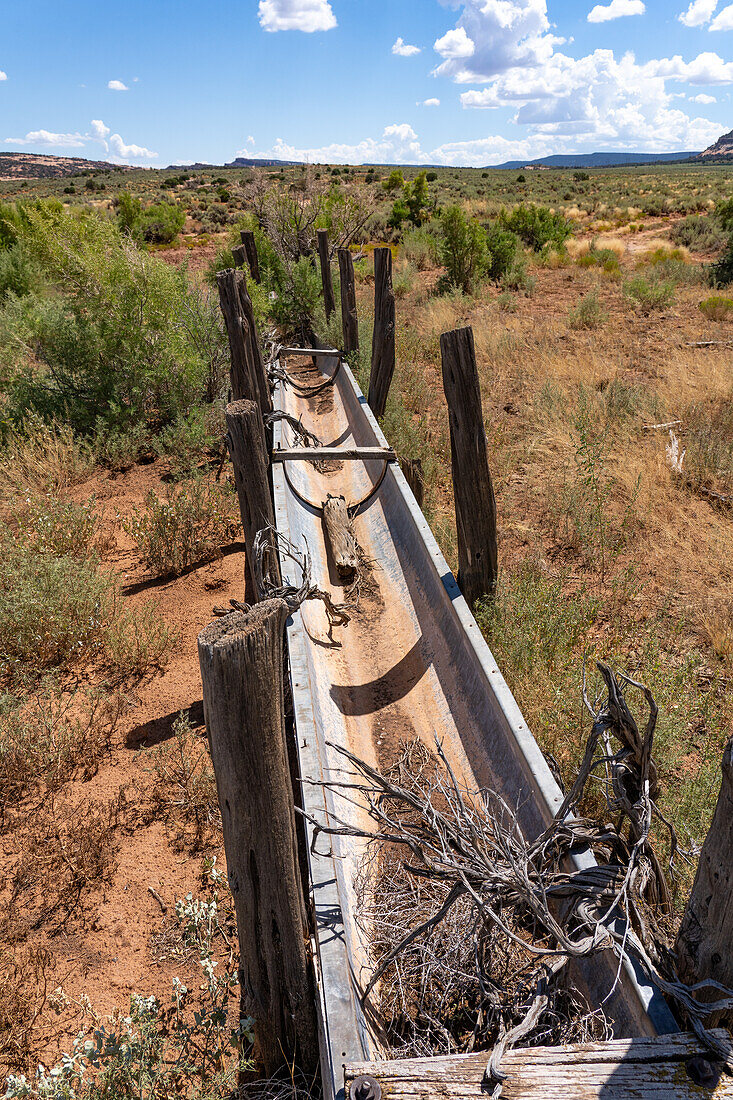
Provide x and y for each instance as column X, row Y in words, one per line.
column 463, row 250
column 537, row 226
column 19, row 275
column 503, row 245
column 721, row 273
column 157, row 223
column 646, row 295
column 59, row 528
column 297, row 301
column 716, row 308
column 187, row 526
column 588, row 314
column 115, row 341
column 699, row 233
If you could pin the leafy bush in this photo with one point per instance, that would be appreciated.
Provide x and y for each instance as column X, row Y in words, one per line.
column 537, row 226
column 19, row 275
column 412, row 205
column 716, row 308
column 115, row 341
column 646, row 295
column 57, row 527
column 463, row 250
column 188, row 526
column 157, row 223
column 298, row 298
column 588, row 314
column 721, row 273
column 503, row 245
column 699, row 233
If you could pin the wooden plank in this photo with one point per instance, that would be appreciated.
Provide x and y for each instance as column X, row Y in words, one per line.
column 241, row 657
column 478, row 568
column 705, row 941
column 349, row 319
column 383, row 340
column 318, row 454
column 622, row 1069
column 324, row 255
column 250, row 248
column 339, row 535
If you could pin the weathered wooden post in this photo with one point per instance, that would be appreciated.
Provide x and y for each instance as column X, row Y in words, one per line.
column 340, row 536
column 250, row 248
column 241, row 657
column 248, row 375
column 705, row 939
column 383, row 339
column 248, row 452
column 239, row 255
column 329, row 301
column 415, row 478
column 349, row 318
column 472, row 486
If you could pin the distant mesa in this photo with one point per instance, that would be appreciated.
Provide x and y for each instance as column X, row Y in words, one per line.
column 18, row 166
column 722, row 149
column 596, row 160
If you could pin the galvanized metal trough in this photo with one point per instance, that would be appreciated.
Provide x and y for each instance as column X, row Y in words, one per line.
column 411, row 663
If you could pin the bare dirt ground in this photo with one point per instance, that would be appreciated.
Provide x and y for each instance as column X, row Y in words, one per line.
column 117, row 939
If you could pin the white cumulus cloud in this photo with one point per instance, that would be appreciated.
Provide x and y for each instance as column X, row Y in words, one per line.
column 698, row 13
column 3, row 76
column 615, row 10
column 492, row 36
column 296, row 15
column 723, row 20
column 48, row 137
column 706, row 68
column 703, row 98
column 399, row 144
column 129, row 152
column 117, row 86
column 404, row 49
column 430, row 103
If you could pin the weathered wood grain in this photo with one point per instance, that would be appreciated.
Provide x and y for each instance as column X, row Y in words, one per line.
column 340, row 536
column 473, row 490
column 239, row 255
column 415, row 478
column 248, row 452
column 705, row 940
column 349, row 318
column 324, row 255
column 622, row 1069
column 250, row 248
column 241, row 657
column 383, row 339
column 248, row 375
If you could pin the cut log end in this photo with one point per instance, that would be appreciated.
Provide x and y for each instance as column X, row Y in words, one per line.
column 340, row 537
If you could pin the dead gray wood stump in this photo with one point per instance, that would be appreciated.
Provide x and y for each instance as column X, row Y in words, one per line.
column 248, row 374
column 324, row 255
column 248, row 452
column 472, row 486
column 340, row 536
column 241, row 657
column 383, row 338
column 705, row 940
column 253, row 259
column 349, row 319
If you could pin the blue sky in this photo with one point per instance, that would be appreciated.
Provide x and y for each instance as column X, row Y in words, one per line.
column 467, row 82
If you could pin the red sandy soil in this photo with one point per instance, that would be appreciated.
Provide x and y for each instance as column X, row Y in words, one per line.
column 106, row 951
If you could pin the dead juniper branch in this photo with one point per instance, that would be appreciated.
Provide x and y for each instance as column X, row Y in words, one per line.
column 302, row 435
column 521, row 903
column 269, row 541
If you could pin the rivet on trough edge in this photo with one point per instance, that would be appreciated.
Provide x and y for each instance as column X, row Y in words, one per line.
column 366, row 1088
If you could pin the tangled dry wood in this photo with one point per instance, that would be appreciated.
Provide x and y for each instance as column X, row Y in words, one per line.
column 486, row 920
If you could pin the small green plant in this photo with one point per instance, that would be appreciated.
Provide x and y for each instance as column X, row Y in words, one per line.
column 57, row 527
column 420, row 247
column 646, row 295
column 588, row 314
column 187, row 526
column 463, row 251
column 716, row 308
column 503, row 246
column 537, row 226
column 699, row 233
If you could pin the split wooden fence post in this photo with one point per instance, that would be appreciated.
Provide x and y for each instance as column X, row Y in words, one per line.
column 329, row 301
column 248, row 452
column 241, row 657
column 239, row 255
column 349, row 317
column 250, row 248
column 383, row 340
column 705, row 939
column 248, row 374
column 472, row 486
